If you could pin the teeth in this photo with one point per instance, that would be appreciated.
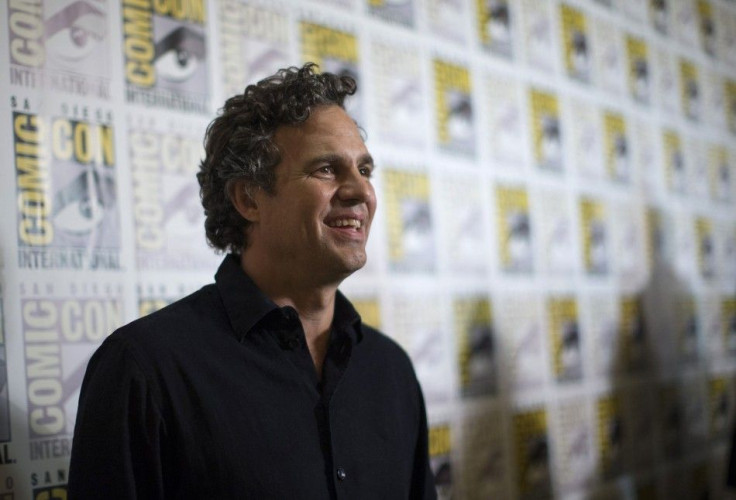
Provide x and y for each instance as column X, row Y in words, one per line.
column 346, row 222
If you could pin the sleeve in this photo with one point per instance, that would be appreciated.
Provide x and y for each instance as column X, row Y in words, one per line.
column 118, row 434
column 731, row 470
column 422, row 484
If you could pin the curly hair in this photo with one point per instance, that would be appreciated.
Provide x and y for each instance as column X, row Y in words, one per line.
column 239, row 142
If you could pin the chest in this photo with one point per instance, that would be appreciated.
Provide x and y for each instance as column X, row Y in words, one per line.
column 258, row 426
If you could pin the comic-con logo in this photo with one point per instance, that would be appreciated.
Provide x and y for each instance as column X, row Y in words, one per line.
column 166, row 210
column 50, row 484
column 334, row 51
column 164, row 44
column 59, row 336
column 77, row 205
column 68, row 30
column 66, row 192
column 60, row 45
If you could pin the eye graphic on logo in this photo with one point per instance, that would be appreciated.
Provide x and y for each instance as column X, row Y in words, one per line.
column 80, row 205
column 460, row 116
column 74, row 31
column 263, row 61
column 183, row 205
column 178, row 54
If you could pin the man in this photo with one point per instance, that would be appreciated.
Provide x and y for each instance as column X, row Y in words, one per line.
column 265, row 384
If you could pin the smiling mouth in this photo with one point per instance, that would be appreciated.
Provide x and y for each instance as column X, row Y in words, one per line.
column 355, row 223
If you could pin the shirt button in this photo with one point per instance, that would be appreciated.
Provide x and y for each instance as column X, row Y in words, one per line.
column 341, row 475
column 289, row 313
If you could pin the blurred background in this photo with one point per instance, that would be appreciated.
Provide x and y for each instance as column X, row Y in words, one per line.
column 555, row 245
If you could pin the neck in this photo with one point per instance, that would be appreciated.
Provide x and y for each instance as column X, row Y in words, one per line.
column 313, row 301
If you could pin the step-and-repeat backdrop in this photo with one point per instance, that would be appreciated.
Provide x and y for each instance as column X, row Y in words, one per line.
column 555, row 245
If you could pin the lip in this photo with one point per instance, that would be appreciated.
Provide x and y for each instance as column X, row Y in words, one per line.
column 348, row 235
column 345, row 215
column 349, row 232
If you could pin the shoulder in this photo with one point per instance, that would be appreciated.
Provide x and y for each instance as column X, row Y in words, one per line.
column 382, row 351
column 202, row 304
column 382, row 376
column 179, row 325
column 201, row 307
column 376, row 340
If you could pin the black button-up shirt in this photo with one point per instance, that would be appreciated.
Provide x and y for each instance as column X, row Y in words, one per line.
column 216, row 396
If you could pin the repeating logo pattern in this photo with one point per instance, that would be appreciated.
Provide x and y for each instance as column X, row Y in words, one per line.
column 555, row 245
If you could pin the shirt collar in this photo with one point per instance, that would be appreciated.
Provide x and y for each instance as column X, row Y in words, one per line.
column 246, row 305
column 347, row 318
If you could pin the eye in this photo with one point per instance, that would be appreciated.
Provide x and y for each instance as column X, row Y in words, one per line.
column 366, row 172
column 176, row 65
column 325, row 171
column 80, row 216
column 78, row 205
column 75, row 31
column 178, row 54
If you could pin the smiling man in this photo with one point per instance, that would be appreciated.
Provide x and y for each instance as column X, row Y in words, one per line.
column 265, row 384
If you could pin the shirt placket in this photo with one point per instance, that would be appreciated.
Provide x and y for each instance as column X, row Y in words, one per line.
column 336, row 362
column 288, row 330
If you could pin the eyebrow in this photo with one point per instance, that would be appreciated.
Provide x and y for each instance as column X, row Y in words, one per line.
column 181, row 38
column 365, row 159
column 68, row 15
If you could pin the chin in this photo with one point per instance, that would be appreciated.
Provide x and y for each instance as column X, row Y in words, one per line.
column 355, row 263
column 340, row 267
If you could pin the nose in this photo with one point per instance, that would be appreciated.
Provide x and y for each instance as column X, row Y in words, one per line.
column 356, row 188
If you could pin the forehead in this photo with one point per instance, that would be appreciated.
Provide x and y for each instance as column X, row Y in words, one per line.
column 327, row 128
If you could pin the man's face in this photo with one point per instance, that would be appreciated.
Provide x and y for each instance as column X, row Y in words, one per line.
column 317, row 221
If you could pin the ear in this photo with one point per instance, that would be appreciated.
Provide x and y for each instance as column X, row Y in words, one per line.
column 241, row 196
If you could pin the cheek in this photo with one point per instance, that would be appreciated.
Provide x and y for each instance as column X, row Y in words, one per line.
column 372, row 201
column 314, row 209
column 372, row 208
